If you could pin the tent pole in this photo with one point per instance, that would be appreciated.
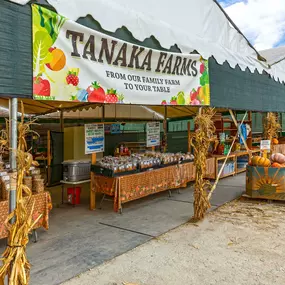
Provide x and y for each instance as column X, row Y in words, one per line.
column 189, row 136
column 239, row 131
column 165, row 126
column 61, row 121
column 13, row 134
column 225, row 161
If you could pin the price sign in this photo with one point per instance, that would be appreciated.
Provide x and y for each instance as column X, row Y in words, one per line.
column 94, row 138
column 265, row 145
column 152, row 134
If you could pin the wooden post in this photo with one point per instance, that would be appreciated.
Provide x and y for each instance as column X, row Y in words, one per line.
column 92, row 185
column 165, row 129
column 189, row 137
column 48, row 157
column 61, row 121
column 93, row 161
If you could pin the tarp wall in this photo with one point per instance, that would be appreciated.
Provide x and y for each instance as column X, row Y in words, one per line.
column 15, row 50
column 243, row 90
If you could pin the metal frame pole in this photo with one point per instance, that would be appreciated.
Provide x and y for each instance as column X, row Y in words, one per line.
column 13, row 138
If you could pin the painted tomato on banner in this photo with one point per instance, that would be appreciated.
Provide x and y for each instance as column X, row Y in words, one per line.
column 74, row 63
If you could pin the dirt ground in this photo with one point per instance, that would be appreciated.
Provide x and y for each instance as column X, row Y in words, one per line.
column 240, row 243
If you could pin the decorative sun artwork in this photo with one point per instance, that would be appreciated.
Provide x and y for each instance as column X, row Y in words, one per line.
column 265, row 182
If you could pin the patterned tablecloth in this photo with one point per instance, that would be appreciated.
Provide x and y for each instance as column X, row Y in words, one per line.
column 43, row 205
column 131, row 187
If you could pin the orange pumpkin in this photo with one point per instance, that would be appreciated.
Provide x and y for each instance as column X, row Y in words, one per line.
column 260, row 161
column 275, row 141
column 254, row 160
column 277, row 165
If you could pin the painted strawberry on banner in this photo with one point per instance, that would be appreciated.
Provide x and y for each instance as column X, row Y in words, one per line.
column 72, row 77
column 111, row 96
column 173, row 100
column 96, row 93
column 41, row 87
column 193, row 94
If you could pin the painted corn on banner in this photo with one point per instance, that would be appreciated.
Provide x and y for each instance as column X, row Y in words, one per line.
column 74, row 63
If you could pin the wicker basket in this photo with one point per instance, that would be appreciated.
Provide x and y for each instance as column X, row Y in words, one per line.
column 37, row 176
column 5, row 187
column 38, row 185
column 36, row 171
column 28, row 181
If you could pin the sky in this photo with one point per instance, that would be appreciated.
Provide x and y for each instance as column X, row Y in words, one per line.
column 261, row 21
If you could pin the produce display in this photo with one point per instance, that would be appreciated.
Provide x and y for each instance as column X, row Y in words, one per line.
column 118, row 164
column 122, row 150
column 260, row 161
column 276, row 160
column 275, row 141
column 228, row 168
column 278, row 157
column 139, row 162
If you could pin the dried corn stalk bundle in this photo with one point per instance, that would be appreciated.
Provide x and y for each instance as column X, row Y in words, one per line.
column 271, row 126
column 200, row 142
column 28, row 181
column 15, row 263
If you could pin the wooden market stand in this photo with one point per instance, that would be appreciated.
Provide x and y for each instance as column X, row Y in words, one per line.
column 134, row 186
column 214, row 167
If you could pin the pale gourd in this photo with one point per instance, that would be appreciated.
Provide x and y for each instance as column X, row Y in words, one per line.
column 278, row 157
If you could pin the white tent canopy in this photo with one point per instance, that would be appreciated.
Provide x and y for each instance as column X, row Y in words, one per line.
column 200, row 25
column 191, row 24
column 276, row 59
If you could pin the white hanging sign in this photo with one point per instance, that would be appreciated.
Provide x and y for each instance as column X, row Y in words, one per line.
column 94, row 138
column 152, row 134
column 265, row 145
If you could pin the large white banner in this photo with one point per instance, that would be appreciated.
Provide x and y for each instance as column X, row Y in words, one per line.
column 74, row 63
